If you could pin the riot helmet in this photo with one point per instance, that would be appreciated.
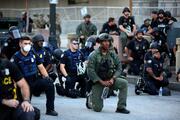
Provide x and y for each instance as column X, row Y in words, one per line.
column 91, row 41
column 154, row 45
column 14, row 32
column 104, row 36
column 38, row 38
column 57, row 53
column 38, row 41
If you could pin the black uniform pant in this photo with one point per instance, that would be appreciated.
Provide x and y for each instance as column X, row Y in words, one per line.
column 39, row 85
column 7, row 113
column 135, row 66
column 70, row 84
column 152, row 86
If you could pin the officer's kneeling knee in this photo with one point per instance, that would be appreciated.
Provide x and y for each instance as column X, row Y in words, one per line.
column 97, row 108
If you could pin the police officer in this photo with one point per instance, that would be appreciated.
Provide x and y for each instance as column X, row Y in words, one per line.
column 44, row 55
column 135, row 51
column 89, row 46
column 161, row 41
column 73, row 68
column 11, row 107
column 86, row 29
column 29, row 63
column 104, row 70
column 12, row 44
column 153, row 74
column 148, row 56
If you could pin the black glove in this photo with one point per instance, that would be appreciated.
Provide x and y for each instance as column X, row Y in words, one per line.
column 49, row 79
column 68, row 79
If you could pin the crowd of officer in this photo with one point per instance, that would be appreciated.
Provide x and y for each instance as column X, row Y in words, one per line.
column 91, row 71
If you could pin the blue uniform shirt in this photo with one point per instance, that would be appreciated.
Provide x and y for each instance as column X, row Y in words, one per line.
column 27, row 64
column 71, row 59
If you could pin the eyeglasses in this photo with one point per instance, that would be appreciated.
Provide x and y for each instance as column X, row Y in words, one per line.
column 75, row 43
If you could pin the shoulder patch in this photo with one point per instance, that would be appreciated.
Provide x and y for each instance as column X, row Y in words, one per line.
column 62, row 55
column 12, row 60
column 149, row 61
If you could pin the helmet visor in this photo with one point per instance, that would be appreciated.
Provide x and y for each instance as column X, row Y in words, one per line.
column 16, row 34
column 88, row 44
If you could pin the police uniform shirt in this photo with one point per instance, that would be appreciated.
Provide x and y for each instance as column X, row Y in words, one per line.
column 27, row 64
column 9, row 75
column 44, row 56
column 71, row 59
column 129, row 22
column 156, row 65
column 138, row 48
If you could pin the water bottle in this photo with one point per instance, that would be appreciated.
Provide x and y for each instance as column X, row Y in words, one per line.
column 105, row 93
column 160, row 91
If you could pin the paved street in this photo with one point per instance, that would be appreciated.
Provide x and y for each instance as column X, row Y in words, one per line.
column 142, row 107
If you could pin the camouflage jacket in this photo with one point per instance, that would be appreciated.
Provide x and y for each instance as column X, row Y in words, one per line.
column 103, row 67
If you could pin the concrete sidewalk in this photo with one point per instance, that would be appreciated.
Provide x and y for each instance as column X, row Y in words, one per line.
column 143, row 107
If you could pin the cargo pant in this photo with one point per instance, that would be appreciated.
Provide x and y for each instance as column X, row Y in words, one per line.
column 97, row 89
column 124, row 39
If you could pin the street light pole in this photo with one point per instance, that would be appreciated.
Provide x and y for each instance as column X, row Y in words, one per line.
column 52, row 32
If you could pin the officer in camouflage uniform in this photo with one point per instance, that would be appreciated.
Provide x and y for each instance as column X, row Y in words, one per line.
column 104, row 70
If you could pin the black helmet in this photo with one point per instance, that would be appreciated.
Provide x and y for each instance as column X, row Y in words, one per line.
column 139, row 31
column 57, row 53
column 14, row 32
column 38, row 38
column 154, row 45
column 91, row 41
column 104, row 36
column 126, row 9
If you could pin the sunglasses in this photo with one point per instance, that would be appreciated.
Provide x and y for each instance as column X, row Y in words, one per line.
column 75, row 43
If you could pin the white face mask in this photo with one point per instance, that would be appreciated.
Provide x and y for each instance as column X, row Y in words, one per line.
column 27, row 48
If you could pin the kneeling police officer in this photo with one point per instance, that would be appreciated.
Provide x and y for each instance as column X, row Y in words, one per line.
column 154, row 74
column 104, row 69
column 11, row 107
column 44, row 55
column 29, row 63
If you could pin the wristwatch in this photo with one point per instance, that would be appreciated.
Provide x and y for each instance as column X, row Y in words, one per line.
column 27, row 101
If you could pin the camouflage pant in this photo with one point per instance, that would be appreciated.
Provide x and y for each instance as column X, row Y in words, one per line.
column 120, row 84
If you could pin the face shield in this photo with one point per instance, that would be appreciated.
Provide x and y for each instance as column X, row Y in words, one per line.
column 88, row 45
column 14, row 32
